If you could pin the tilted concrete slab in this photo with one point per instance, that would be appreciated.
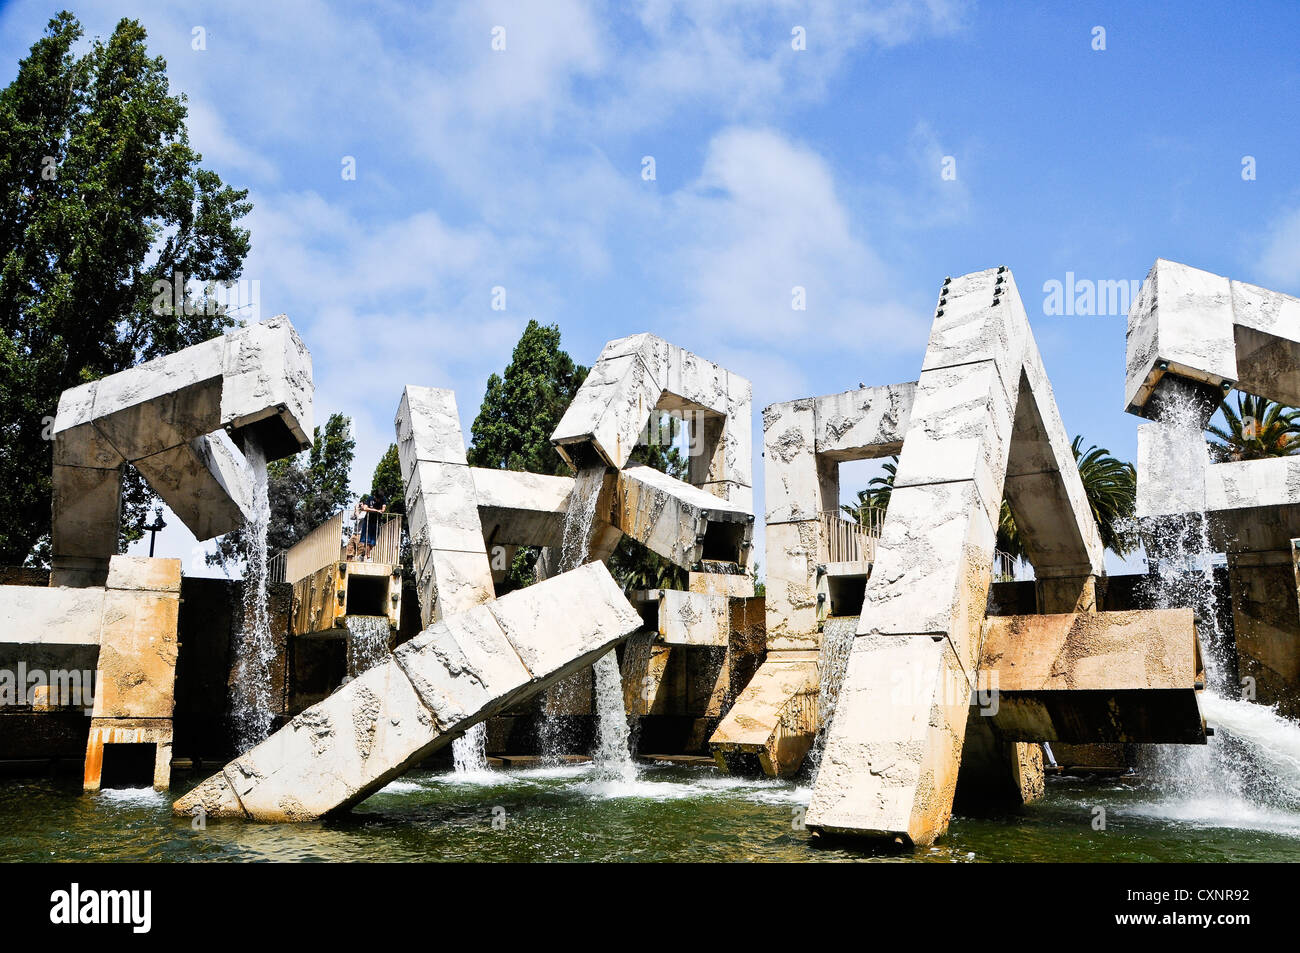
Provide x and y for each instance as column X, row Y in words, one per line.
column 453, row 675
column 452, row 572
column 682, row 523
column 769, row 724
column 178, row 419
column 1094, row 677
column 982, row 404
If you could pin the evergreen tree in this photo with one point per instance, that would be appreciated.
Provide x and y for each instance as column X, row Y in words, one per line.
column 101, row 197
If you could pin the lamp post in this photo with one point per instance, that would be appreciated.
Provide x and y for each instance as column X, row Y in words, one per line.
column 154, row 528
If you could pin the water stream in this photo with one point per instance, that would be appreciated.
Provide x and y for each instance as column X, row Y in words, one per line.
column 250, row 686
column 832, row 663
column 612, row 757
column 367, row 642
column 1252, row 762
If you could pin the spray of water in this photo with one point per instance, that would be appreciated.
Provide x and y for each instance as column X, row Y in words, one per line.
column 1253, row 759
column 469, row 751
column 251, row 685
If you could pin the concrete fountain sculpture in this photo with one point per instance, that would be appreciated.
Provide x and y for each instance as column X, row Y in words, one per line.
column 183, row 421
column 982, row 425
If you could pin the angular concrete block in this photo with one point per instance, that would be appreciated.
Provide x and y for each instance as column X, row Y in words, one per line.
column 791, row 480
column 462, row 666
column 428, row 427
column 521, row 509
column 693, row 618
column 138, row 646
column 960, row 429
column 207, row 483
column 335, row 753
column 757, row 724
column 865, row 423
column 31, row 615
column 792, row 586
column 722, row 584
column 893, row 751
column 676, row 520
column 378, row 725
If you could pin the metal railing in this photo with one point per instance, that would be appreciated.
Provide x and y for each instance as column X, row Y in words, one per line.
column 333, row 541
column 1005, row 567
column 845, row 540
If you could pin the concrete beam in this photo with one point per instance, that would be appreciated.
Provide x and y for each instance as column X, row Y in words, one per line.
column 1094, row 677
column 452, row 572
column 453, row 675
column 178, row 420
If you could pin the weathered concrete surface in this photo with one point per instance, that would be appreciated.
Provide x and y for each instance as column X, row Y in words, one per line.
column 177, row 419
column 693, row 618
column 680, row 522
column 1189, row 329
column 1203, row 327
column 774, row 720
column 1094, row 677
column 982, row 409
column 135, row 682
column 1265, row 624
column 452, row 572
column 804, row 442
column 521, row 509
column 737, row 585
column 456, row 673
column 636, row 375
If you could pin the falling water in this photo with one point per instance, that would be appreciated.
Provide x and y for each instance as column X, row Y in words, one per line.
column 251, row 683
column 469, row 751
column 1253, row 759
column 367, row 642
column 832, row 663
column 612, row 758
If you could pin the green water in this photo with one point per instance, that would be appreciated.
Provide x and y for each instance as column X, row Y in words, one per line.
column 670, row 813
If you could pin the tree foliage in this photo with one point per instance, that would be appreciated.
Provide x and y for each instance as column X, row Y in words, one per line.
column 520, row 411
column 101, row 196
column 522, row 407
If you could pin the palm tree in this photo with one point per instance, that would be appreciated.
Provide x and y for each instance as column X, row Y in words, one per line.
column 1111, row 488
column 875, row 496
column 1257, row 429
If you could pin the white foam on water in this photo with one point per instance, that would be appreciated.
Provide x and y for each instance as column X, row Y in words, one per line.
column 132, row 795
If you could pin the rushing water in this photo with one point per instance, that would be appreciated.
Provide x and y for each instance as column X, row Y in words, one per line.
column 469, row 751
column 251, row 682
column 832, row 663
column 368, row 637
column 612, row 757
column 669, row 813
column 1250, row 767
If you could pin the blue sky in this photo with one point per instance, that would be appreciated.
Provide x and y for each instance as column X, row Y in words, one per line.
column 522, row 168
